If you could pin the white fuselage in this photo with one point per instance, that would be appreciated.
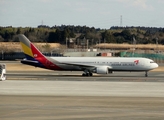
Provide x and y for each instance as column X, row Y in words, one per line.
column 113, row 63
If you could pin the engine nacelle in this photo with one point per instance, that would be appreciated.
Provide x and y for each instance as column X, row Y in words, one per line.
column 102, row 70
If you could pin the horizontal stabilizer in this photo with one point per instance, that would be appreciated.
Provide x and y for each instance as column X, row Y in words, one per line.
column 30, row 62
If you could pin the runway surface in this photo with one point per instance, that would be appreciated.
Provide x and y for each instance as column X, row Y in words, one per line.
column 76, row 76
column 82, row 88
column 43, row 95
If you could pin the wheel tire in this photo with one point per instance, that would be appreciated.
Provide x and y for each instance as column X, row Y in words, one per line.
column 83, row 74
column 87, row 74
column 91, row 74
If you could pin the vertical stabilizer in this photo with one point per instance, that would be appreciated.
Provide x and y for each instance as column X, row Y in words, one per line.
column 34, row 57
column 30, row 51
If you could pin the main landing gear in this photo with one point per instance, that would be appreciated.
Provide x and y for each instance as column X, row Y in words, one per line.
column 87, row 73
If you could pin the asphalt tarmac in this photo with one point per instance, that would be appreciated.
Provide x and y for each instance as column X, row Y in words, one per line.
column 77, row 76
column 46, row 95
column 37, row 94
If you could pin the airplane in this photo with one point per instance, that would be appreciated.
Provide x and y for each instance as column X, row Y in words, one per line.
column 89, row 65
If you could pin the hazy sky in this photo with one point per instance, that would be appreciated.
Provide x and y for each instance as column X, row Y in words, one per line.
column 92, row 13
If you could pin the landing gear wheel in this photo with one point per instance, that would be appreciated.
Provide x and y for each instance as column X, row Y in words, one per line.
column 91, row 74
column 83, row 74
column 87, row 74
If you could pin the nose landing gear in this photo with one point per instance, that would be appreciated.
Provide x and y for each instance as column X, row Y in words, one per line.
column 146, row 73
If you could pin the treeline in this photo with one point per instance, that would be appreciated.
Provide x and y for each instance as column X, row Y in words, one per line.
column 59, row 34
column 150, row 29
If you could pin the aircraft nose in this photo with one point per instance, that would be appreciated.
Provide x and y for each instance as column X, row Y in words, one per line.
column 156, row 65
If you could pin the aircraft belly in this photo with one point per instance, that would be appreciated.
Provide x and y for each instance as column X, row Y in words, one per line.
column 69, row 67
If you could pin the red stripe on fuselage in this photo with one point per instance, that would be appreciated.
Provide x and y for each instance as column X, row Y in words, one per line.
column 43, row 60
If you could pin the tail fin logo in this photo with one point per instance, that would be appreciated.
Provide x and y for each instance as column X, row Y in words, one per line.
column 35, row 55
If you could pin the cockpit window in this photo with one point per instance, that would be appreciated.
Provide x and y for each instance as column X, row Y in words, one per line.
column 152, row 62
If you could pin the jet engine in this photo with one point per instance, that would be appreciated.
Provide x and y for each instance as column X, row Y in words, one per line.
column 102, row 70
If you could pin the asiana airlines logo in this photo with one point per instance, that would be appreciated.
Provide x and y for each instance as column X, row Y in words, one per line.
column 136, row 62
column 35, row 55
